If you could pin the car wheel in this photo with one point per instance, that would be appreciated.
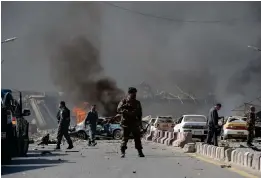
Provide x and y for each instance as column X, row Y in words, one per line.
column 117, row 134
column 82, row 135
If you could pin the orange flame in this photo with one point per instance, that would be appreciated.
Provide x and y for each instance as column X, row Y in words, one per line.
column 81, row 112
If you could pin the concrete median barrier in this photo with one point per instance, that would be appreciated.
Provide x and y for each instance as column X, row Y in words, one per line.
column 149, row 136
column 189, row 148
column 162, row 134
column 199, row 148
column 166, row 136
column 220, row 153
column 172, row 138
column 246, row 159
column 156, row 135
column 228, row 154
column 169, row 136
column 211, row 151
column 182, row 139
column 256, row 162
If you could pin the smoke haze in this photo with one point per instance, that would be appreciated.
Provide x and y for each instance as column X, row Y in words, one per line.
column 72, row 46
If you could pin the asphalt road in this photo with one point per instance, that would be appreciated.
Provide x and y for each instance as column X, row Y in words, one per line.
column 104, row 160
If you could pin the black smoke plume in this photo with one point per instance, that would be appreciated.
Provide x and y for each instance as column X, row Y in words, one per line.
column 78, row 72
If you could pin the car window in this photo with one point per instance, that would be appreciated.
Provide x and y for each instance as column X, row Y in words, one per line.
column 180, row 120
column 195, row 119
column 235, row 120
column 244, row 118
column 165, row 120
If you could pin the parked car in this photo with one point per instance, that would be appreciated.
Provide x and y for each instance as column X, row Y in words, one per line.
column 165, row 123
column 235, row 127
column 196, row 124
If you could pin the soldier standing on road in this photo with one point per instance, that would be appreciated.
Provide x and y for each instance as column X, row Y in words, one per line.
column 251, row 119
column 91, row 120
column 63, row 117
column 131, row 112
column 213, row 124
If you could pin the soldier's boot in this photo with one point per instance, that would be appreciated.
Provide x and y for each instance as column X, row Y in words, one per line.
column 89, row 143
column 123, row 153
column 70, row 147
column 57, row 147
column 141, row 153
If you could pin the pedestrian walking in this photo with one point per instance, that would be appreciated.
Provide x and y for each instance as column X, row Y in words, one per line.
column 63, row 117
column 91, row 122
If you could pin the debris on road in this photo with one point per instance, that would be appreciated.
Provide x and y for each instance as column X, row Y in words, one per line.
column 225, row 166
column 189, row 148
column 45, row 153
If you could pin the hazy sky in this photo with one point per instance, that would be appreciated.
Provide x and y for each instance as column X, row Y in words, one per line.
column 200, row 46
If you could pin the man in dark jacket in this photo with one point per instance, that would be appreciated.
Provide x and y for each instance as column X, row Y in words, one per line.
column 251, row 120
column 91, row 120
column 212, row 124
column 131, row 112
column 63, row 117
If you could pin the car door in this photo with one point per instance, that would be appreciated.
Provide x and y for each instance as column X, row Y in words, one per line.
column 178, row 125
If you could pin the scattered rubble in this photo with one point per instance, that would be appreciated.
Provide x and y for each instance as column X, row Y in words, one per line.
column 45, row 153
column 189, row 148
column 225, row 166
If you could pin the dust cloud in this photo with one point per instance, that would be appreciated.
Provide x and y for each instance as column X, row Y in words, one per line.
column 199, row 46
column 80, row 76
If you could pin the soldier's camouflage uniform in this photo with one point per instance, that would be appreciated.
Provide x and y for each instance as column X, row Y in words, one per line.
column 63, row 117
column 131, row 122
column 251, row 119
column 22, row 126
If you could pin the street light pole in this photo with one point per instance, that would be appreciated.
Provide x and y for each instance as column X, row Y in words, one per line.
column 6, row 41
column 9, row 39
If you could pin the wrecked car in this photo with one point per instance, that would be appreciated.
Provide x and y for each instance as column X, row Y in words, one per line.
column 104, row 129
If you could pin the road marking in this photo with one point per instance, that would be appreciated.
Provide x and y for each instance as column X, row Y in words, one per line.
column 240, row 172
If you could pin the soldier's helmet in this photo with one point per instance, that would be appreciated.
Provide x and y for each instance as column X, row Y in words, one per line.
column 132, row 90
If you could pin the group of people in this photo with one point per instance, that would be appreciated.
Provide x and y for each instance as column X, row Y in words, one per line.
column 213, row 125
column 130, row 110
column 131, row 122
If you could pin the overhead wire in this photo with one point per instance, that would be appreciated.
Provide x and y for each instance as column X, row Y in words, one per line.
column 171, row 19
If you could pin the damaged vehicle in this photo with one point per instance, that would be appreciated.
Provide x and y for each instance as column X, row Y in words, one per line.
column 105, row 128
column 165, row 123
column 196, row 124
column 235, row 127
